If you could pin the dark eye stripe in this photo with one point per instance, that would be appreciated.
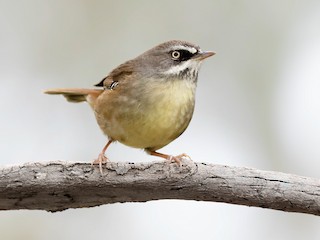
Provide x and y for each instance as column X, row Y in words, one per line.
column 184, row 55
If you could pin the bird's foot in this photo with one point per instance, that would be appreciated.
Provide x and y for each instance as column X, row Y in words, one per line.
column 102, row 159
column 177, row 159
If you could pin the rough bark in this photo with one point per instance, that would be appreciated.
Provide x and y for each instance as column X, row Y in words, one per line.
column 56, row 186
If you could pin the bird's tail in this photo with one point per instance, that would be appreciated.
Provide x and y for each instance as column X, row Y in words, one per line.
column 77, row 94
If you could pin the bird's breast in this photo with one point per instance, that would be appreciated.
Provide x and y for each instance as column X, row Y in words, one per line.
column 149, row 115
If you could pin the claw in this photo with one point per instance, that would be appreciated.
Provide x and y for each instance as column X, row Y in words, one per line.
column 177, row 159
column 102, row 159
column 184, row 155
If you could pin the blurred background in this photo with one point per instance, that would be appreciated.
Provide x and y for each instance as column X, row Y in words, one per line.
column 257, row 105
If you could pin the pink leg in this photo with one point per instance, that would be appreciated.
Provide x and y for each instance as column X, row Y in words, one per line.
column 176, row 159
column 102, row 159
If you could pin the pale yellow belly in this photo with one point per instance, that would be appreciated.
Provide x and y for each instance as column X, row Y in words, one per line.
column 151, row 120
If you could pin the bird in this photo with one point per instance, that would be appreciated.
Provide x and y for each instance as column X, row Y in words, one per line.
column 148, row 101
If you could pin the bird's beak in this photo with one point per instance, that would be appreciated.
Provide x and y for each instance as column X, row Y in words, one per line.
column 203, row 55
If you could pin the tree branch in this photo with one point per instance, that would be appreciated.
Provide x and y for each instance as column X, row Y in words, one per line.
column 56, row 186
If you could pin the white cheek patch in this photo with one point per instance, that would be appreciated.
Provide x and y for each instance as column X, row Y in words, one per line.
column 175, row 70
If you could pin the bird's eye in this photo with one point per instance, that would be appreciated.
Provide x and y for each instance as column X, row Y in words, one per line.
column 181, row 55
column 175, row 55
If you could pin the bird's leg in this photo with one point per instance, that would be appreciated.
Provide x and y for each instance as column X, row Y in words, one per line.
column 170, row 158
column 102, row 158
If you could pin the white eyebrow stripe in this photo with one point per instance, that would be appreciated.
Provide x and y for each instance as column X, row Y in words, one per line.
column 182, row 47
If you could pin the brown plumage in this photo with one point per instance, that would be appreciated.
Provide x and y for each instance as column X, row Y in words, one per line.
column 148, row 101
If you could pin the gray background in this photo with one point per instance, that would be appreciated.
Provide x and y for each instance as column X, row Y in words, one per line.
column 257, row 106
